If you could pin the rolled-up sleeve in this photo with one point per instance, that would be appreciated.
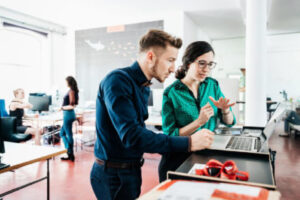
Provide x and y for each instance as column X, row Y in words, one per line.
column 117, row 93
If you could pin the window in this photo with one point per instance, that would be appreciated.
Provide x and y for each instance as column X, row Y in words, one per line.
column 23, row 61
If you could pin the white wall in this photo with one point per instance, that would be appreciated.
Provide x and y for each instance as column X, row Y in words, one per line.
column 24, row 61
column 283, row 71
column 283, row 62
column 29, row 60
column 188, row 32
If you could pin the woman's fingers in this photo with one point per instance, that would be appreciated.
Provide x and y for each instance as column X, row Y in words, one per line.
column 230, row 105
column 212, row 99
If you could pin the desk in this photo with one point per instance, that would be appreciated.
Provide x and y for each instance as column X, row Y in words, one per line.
column 51, row 118
column 39, row 121
column 154, row 121
column 157, row 191
column 18, row 155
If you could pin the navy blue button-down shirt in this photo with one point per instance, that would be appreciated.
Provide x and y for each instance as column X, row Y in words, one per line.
column 121, row 110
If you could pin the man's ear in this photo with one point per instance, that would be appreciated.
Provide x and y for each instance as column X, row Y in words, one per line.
column 150, row 56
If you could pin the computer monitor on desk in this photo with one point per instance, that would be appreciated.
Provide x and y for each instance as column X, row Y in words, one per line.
column 40, row 103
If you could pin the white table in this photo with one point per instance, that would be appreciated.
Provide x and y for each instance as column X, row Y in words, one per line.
column 18, row 155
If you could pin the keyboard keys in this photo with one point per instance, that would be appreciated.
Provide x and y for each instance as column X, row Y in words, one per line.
column 240, row 143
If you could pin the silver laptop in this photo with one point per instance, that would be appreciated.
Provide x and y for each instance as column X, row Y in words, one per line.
column 245, row 142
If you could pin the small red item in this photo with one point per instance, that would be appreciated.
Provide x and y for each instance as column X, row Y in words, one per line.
column 228, row 170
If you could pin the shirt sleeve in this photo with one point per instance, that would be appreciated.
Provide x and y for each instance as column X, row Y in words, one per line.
column 168, row 117
column 119, row 101
column 218, row 95
column 72, row 97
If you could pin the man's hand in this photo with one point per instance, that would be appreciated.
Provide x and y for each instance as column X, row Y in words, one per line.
column 201, row 139
column 222, row 103
column 206, row 113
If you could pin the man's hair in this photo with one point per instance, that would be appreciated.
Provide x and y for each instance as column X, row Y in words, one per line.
column 158, row 38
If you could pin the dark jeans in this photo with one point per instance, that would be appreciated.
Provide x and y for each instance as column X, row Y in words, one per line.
column 170, row 162
column 66, row 130
column 293, row 118
column 114, row 184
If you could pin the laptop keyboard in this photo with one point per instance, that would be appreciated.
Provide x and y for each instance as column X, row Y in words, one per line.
column 240, row 143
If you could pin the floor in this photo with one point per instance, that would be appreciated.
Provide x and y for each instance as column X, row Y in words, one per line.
column 287, row 165
column 70, row 181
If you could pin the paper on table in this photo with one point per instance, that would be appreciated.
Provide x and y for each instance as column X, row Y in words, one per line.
column 189, row 191
column 239, row 189
column 196, row 166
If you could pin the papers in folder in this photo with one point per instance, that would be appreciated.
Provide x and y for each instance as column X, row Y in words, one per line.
column 189, row 190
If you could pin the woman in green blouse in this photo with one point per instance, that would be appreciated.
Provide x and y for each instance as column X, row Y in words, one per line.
column 193, row 102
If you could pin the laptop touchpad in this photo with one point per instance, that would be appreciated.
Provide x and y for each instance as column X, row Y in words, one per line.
column 220, row 142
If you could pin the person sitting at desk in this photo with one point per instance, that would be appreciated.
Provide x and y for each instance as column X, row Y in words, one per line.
column 69, row 103
column 293, row 118
column 16, row 109
column 193, row 102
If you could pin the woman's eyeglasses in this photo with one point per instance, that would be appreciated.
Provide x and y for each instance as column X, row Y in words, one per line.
column 203, row 63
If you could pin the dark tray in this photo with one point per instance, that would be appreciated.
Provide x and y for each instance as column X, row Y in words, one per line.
column 257, row 165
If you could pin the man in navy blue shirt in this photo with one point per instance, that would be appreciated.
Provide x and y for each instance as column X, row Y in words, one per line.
column 121, row 110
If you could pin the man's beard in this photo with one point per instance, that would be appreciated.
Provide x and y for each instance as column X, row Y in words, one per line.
column 154, row 72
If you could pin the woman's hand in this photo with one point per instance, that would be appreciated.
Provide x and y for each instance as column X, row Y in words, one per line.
column 222, row 103
column 206, row 113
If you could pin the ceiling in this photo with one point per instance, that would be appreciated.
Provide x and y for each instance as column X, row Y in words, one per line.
column 220, row 19
column 283, row 17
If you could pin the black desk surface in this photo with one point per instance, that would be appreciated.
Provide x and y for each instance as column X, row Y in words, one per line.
column 257, row 165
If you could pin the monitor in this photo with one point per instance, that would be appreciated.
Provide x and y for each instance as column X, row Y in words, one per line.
column 50, row 100
column 40, row 103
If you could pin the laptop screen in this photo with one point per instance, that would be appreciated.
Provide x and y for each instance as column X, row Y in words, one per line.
column 270, row 126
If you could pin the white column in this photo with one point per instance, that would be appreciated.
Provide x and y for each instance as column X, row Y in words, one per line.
column 256, row 25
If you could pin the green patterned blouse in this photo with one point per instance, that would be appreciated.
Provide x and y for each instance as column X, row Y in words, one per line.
column 180, row 107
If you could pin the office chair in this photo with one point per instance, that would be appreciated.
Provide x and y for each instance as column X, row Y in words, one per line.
column 3, row 112
column 8, row 130
column 8, row 126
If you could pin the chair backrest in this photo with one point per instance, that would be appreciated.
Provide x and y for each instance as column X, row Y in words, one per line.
column 7, row 127
column 3, row 112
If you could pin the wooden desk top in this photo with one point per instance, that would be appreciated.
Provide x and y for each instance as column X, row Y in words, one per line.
column 18, row 154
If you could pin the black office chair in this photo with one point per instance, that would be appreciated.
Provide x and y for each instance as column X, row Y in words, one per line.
column 269, row 109
column 8, row 129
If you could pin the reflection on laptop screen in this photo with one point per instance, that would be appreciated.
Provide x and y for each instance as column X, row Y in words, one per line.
column 278, row 112
column 270, row 126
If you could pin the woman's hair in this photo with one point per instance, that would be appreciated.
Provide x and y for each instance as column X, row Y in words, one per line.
column 72, row 83
column 16, row 91
column 192, row 52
